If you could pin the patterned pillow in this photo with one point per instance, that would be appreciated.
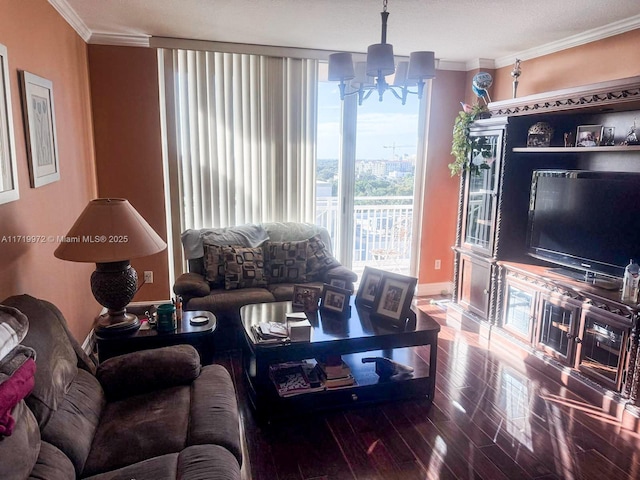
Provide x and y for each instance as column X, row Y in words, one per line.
column 214, row 265
column 319, row 259
column 243, row 267
column 286, row 262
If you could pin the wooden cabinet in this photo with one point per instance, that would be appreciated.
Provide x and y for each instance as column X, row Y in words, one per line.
column 475, row 284
column 579, row 328
column 475, row 247
column 557, row 322
column 578, row 325
column 603, row 347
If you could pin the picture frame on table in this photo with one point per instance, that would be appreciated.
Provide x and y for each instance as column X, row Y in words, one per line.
column 393, row 297
column 366, row 294
column 306, row 297
column 588, row 135
column 40, row 129
column 8, row 164
column 335, row 299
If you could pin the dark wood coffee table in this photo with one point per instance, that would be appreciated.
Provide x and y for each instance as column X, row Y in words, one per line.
column 360, row 335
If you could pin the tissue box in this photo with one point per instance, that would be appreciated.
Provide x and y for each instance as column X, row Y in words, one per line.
column 300, row 331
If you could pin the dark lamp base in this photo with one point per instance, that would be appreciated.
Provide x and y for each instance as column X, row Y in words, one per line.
column 116, row 323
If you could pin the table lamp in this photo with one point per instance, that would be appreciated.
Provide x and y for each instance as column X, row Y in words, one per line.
column 110, row 232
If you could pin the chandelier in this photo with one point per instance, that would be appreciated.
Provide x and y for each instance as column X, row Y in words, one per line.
column 367, row 77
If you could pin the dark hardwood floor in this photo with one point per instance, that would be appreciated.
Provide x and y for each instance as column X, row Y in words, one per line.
column 492, row 418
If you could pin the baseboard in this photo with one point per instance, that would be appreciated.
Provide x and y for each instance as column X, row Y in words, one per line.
column 442, row 288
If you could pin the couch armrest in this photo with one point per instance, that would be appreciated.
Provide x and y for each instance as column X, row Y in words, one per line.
column 340, row 272
column 148, row 370
column 191, row 285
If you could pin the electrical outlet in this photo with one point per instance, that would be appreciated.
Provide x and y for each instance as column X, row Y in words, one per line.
column 438, row 265
column 148, row 276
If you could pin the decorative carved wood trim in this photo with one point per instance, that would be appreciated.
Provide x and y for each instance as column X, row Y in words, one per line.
column 456, row 258
column 623, row 94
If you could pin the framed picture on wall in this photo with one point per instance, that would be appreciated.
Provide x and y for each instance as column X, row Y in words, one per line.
column 8, row 169
column 40, row 128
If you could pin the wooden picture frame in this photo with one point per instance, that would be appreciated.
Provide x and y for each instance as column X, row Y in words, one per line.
column 306, row 297
column 588, row 135
column 40, row 129
column 393, row 297
column 335, row 299
column 8, row 165
column 366, row 294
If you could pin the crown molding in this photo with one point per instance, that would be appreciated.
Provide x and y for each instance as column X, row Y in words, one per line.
column 622, row 94
column 72, row 18
column 615, row 28
column 119, row 40
column 449, row 65
column 480, row 63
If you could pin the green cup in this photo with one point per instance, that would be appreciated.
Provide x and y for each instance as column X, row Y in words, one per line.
column 166, row 318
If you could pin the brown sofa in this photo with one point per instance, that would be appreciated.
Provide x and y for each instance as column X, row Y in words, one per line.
column 200, row 291
column 153, row 414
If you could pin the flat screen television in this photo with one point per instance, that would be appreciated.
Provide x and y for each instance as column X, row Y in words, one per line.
column 587, row 221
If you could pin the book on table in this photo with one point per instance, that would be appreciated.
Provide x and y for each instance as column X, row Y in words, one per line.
column 340, row 382
column 333, row 367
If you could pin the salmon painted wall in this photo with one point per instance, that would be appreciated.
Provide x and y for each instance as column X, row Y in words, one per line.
column 440, row 189
column 607, row 59
column 124, row 94
column 41, row 42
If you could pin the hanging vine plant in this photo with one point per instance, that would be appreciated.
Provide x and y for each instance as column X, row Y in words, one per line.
column 463, row 144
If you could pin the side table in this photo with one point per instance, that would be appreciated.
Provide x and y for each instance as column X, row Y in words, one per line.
column 200, row 336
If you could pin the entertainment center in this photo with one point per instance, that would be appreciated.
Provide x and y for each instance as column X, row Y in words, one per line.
column 534, row 209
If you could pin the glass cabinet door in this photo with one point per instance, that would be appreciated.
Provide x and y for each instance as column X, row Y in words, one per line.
column 481, row 191
column 602, row 348
column 518, row 310
column 557, row 325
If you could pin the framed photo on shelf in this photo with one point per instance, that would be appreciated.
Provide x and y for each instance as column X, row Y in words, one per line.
column 306, row 297
column 366, row 293
column 393, row 297
column 40, row 127
column 588, row 135
column 608, row 136
column 335, row 299
column 8, row 167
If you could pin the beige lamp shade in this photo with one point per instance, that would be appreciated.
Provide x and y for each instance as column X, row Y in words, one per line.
column 340, row 67
column 380, row 60
column 109, row 230
column 422, row 65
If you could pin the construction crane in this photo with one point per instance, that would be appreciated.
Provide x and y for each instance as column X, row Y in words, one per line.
column 393, row 149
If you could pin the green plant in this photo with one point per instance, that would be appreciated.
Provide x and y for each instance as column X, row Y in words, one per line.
column 463, row 144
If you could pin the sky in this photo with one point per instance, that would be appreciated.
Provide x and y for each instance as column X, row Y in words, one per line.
column 380, row 124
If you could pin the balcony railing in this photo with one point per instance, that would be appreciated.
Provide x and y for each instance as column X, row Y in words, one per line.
column 382, row 233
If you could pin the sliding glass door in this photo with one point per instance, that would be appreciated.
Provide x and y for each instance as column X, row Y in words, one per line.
column 366, row 170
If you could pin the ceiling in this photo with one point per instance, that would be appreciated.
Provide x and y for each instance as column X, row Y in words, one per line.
column 459, row 31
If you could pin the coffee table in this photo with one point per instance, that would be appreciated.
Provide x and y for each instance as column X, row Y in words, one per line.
column 360, row 335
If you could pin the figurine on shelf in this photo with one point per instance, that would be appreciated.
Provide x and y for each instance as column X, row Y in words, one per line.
column 515, row 73
column 631, row 138
column 568, row 139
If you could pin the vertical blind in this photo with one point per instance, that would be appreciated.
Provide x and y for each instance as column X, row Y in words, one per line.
column 241, row 133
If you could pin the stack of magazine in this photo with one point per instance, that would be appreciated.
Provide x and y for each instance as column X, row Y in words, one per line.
column 270, row 332
column 295, row 378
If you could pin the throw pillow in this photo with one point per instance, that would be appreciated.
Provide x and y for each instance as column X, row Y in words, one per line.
column 286, row 262
column 243, row 267
column 214, row 265
column 319, row 259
